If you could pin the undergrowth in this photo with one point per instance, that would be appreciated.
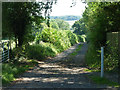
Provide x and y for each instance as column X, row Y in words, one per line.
column 76, row 51
column 99, row 80
column 11, row 70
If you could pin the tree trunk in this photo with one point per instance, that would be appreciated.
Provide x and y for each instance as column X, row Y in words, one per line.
column 20, row 41
column 16, row 42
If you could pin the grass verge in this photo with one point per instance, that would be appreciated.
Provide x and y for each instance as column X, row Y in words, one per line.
column 76, row 51
column 70, row 56
column 92, row 70
column 99, row 80
column 11, row 70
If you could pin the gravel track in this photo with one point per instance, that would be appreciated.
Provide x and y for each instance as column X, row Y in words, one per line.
column 57, row 73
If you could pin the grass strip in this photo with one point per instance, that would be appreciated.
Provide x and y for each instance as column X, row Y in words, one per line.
column 99, row 80
column 92, row 70
column 76, row 51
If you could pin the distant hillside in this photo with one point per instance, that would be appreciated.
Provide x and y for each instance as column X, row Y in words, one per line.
column 66, row 18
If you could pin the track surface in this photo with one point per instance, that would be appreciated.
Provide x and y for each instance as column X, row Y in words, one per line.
column 63, row 71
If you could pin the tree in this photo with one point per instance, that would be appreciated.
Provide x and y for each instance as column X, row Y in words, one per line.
column 53, row 24
column 60, row 24
column 79, row 27
column 100, row 18
column 19, row 16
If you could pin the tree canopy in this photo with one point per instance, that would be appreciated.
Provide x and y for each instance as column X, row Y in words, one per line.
column 59, row 24
column 18, row 18
column 100, row 18
column 79, row 27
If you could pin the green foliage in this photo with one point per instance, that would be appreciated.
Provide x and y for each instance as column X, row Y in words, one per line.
column 40, row 51
column 79, row 27
column 103, row 80
column 99, row 19
column 82, row 38
column 37, row 31
column 72, row 37
column 76, row 51
column 59, row 24
column 52, row 41
column 58, row 38
column 10, row 70
column 91, row 70
column 111, row 52
column 17, row 22
column 18, row 18
column 53, row 24
column 92, row 57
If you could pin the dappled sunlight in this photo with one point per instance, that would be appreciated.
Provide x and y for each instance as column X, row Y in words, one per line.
column 41, row 79
column 53, row 73
column 48, row 65
column 51, row 68
column 54, row 79
column 40, row 62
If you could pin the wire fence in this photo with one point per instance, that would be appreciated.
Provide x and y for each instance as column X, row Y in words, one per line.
column 4, row 51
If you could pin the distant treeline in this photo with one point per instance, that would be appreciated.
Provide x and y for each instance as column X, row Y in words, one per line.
column 66, row 18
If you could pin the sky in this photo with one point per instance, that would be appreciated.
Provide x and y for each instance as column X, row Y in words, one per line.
column 63, row 8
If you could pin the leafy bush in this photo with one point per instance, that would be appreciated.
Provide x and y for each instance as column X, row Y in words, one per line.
column 80, row 38
column 11, row 70
column 62, row 39
column 111, row 61
column 40, row 51
column 59, row 24
column 72, row 37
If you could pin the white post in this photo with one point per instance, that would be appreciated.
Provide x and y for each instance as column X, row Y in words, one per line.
column 102, row 61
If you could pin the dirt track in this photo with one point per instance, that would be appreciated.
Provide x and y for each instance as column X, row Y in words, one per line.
column 63, row 71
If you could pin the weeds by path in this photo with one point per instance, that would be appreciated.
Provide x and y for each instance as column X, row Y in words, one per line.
column 11, row 70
